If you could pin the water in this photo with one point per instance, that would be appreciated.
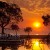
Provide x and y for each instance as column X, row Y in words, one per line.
column 24, row 48
column 35, row 45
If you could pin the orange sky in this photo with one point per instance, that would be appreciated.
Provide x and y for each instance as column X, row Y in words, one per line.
column 32, row 11
column 32, row 16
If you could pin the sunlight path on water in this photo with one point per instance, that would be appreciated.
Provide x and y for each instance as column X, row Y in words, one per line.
column 37, row 45
column 45, row 47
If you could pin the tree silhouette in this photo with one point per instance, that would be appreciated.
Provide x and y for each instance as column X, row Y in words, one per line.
column 15, row 27
column 28, row 30
column 8, row 11
column 46, row 19
column 4, row 20
column 14, row 10
column 47, row 22
column 27, row 41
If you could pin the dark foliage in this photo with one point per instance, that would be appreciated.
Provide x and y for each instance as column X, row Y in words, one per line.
column 46, row 19
column 7, row 11
column 28, row 29
column 14, row 10
column 3, row 5
column 15, row 27
column 4, row 19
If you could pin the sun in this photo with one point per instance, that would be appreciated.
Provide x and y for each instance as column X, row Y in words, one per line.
column 36, row 24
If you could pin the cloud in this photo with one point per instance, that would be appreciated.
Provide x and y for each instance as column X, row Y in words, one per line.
column 32, row 10
column 41, row 11
column 33, row 4
column 48, row 4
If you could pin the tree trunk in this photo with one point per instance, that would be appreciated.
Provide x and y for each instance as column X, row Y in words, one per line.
column 16, row 32
column 2, row 29
column 3, row 48
column 28, row 36
column 28, row 33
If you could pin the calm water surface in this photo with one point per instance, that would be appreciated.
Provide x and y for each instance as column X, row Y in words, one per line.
column 35, row 45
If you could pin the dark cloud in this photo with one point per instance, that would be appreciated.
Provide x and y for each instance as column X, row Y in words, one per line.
column 48, row 4
column 31, row 4
column 42, row 3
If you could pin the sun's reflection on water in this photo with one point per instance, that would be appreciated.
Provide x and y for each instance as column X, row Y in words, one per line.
column 36, row 44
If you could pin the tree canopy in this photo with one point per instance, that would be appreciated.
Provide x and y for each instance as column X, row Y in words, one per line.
column 8, row 11
column 46, row 19
column 28, row 30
